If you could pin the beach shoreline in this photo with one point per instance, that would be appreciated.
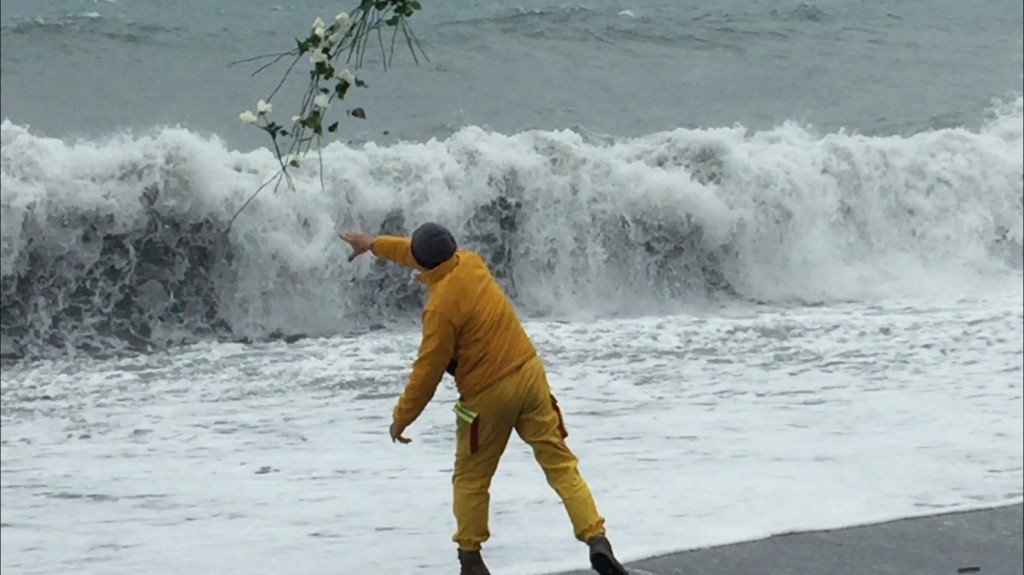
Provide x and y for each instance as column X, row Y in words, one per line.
column 985, row 541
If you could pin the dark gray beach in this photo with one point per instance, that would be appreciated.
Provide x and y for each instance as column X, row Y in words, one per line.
column 987, row 542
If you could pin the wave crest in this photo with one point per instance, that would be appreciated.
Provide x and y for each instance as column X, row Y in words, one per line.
column 125, row 241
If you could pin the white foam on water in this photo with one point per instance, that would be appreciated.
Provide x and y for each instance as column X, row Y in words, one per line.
column 692, row 430
column 574, row 224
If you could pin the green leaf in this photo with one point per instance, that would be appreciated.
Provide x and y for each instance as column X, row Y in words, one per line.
column 311, row 120
column 357, row 113
column 333, row 127
column 361, row 84
column 283, row 132
column 392, row 21
column 325, row 90
column 415, row 5
column 303, row 46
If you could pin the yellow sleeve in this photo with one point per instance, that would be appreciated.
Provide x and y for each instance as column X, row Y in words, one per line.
column 436, row 350
column 396, row 249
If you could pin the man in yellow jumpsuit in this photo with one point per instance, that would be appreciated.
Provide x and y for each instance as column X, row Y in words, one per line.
column 471, row 330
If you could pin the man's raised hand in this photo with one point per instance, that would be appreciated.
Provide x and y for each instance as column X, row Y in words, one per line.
column 360, row 242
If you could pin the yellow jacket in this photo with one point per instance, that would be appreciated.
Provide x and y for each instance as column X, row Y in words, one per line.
column 467, row 318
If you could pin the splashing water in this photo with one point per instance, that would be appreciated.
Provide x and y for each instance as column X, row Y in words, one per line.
column 124, row 242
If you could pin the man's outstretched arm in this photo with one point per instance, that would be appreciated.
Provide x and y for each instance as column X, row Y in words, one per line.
column 394, row 248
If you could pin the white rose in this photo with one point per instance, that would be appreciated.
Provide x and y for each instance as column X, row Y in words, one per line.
column 334, row 38
column 318, row 23
column 317, row 56
column 347, row 76
column 247, row 117
column 263, row 107
column 296, row 119
column 319, row 31
column 322, row 101
column 341, row 18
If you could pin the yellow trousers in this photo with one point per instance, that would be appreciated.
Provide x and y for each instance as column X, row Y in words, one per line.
column 520, row 401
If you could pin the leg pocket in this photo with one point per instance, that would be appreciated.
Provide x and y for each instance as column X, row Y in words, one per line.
column 474, row 435
column 472, row 420
column 561, row 422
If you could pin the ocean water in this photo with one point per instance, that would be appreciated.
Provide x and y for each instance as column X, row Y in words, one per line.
column 771, row 254
column 621, row 67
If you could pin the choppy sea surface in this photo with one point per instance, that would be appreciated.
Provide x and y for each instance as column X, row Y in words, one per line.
column 771, row 254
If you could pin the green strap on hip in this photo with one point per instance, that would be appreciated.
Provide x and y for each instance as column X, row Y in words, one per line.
column 464, row 414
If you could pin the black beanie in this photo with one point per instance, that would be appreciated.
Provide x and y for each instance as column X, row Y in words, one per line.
column 432, row 245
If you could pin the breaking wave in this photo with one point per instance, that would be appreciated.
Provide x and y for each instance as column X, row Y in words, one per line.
column 125, row 242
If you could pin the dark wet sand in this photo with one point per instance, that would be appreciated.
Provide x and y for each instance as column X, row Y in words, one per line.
column 987, row 542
